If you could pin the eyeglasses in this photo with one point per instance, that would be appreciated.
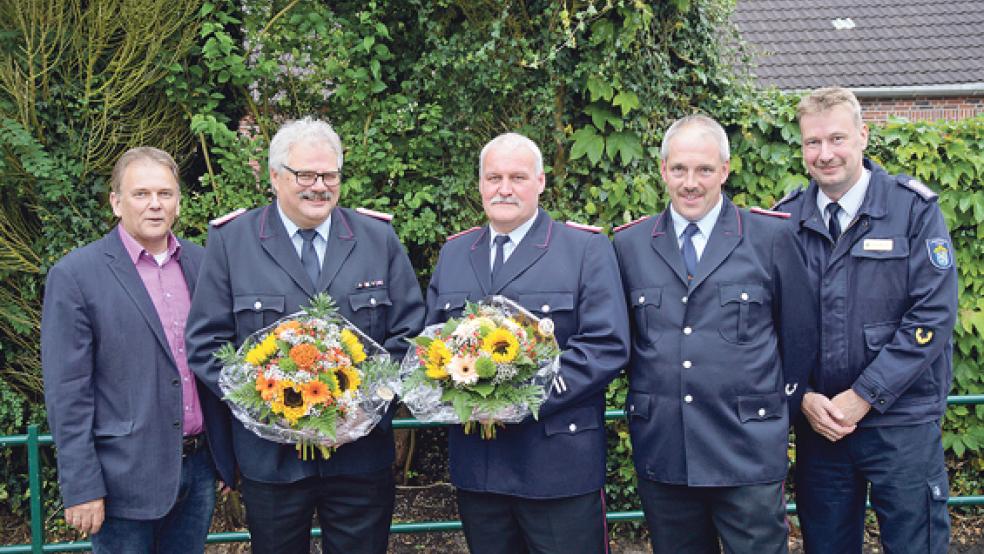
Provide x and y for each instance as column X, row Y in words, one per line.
column 309, row 178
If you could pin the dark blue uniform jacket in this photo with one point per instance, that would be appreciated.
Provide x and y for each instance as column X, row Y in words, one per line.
column 716, row 362
column 888, row 294
column 252, row 276
column 571, row 277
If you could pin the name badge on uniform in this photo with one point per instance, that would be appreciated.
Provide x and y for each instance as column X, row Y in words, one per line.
column 878, row 245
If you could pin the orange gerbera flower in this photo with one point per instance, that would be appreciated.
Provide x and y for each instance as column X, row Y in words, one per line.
column 286, row 325
column 304, row 355
column 268, row 387
column 316, row 392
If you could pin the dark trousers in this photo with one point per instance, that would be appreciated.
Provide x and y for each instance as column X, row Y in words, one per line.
column 697, row 520
column 354, row 511
column 905, row 468
column 504, row 524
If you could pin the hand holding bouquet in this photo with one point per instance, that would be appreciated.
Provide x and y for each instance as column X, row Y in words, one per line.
column 311, row 378
column 491, row 366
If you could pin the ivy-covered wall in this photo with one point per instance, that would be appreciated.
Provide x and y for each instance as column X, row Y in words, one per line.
column 414, row 87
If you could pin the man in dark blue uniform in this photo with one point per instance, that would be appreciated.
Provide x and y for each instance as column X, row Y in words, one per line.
column 879, row 252
column 267, row 263
column 537, row 486
column 724, row 335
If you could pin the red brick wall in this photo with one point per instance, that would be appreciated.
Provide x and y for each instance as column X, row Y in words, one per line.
column 916, row 108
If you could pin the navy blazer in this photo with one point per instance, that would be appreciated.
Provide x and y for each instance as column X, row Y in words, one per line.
column 111, row 385
column 252, row 276
column 713, row 361
column 570, row 276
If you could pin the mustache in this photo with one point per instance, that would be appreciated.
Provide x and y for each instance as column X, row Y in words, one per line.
column 315, row 195
column 504, row 200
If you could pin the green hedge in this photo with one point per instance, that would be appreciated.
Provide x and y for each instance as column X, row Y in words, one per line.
column 414, row 87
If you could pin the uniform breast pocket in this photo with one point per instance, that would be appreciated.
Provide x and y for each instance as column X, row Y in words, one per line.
column 370, row 309
column 255, row 311
column 740, row 303
column 881, row 264
column 645, row 304
column 450, row 304
column 558, row 306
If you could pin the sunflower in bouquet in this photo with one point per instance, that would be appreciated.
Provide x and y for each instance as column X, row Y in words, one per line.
column 306, row 378
column 488, row 367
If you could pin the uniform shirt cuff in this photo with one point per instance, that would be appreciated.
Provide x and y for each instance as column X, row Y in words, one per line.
column 880, row 398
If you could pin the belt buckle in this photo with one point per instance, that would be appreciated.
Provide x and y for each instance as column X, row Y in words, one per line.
column 190, row 445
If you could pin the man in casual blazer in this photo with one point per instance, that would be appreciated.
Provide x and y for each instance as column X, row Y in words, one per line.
column 537, row 486
column 267, row 263
column 140, row 441
column 725, row 331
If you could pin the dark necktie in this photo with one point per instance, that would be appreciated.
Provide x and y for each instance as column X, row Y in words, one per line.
column 833, row 222
column 309, row 256
column 500, row 253
column 688, row 250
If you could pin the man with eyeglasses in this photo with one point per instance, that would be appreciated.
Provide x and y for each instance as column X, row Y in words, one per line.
column 266, row 263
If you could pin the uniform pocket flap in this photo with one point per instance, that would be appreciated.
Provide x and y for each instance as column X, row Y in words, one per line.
column 938, row 488
column 369, row 299
column 257, row 302
column 637, row 405
column 881, row 248
column 646, row 297
column 547, row 302
column 113, row 429
column 760, row 407
column 572, row 421
column 740, row 293
column 451, row 301
column 877, row 335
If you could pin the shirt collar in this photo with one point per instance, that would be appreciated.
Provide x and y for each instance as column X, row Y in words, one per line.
column 705, row 224
column 292, row 227
column 850, row 203
column 134, row 248
column 517, row 234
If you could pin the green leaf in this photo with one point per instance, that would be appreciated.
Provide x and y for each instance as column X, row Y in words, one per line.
column 484, row 389
column 601, row 115
column 588, row 142
column 599, row 89
column 626, row 100
column 626, row 144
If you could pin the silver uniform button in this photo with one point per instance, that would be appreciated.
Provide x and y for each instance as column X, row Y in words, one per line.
column 761, row 412
column 572, row 427
column 687, row 364
column 688, row 399
column 687, row 330
column 744, row 297
column 372, row 301
column 631, row 407
column 257, row 305
column 447, row 305
column 642, row 299
column 684, row 300
column 545, row 308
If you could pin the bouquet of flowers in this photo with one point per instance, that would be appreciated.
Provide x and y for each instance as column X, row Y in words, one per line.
column 311, row 378
column 491, row 366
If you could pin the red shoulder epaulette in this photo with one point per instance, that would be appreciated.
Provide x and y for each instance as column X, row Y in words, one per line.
column 461, row 233
column 373, row 213
column 629, row 224
column 770, row 213
column 584, row 226
column 223, row 219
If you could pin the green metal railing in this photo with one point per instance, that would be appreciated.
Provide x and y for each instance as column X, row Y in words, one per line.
column 34, row 441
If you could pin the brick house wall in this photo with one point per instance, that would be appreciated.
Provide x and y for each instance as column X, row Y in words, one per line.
column 922, row 108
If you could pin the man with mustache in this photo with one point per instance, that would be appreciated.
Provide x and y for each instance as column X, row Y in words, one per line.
column 724, row 337
column 879, row 253
column 537, row 487
column 265, row 264
column 141, row 441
